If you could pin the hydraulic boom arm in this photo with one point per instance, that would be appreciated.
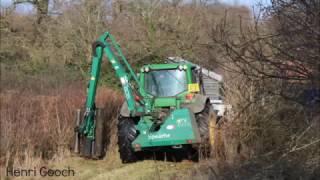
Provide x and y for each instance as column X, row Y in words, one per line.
column 106, row 44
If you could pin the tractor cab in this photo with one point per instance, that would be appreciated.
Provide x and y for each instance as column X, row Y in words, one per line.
column 173, row 82
column 165, row 82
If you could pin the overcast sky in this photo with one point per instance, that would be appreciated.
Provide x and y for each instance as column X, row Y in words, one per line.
column 250, row 3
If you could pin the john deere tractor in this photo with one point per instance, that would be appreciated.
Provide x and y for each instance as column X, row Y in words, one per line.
column 165, row 109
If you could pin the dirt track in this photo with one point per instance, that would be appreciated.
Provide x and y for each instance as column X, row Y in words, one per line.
column 113, row 169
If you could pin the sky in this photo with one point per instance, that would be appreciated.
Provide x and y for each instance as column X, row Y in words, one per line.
column 250, row 3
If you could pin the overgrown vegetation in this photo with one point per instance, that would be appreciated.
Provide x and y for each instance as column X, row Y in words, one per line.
column 269, row 60
column 36, row 127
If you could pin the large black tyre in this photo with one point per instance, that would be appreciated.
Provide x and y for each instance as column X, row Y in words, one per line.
column 126, row 135
column 206, row 121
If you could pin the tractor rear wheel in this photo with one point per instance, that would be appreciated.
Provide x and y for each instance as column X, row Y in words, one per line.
column 126, row 135
column 206, row 121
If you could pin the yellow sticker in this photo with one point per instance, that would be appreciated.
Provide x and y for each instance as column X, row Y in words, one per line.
column 193, row 87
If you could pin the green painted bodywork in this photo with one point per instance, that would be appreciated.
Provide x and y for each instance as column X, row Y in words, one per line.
column 178, row 128
column 123, row 71
column 165, row 102
column 146, row 106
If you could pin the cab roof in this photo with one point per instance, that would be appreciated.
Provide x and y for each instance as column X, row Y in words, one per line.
column 168, row 65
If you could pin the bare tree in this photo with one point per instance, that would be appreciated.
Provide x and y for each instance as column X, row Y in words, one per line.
column 272, row 80
column 42, row 7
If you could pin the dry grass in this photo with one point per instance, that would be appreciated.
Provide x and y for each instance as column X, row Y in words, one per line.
column 40, row 127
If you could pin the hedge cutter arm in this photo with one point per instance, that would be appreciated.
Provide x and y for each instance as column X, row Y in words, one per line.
column 107, row 45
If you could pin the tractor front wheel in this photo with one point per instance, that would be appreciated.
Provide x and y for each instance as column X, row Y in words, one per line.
column 126, row 135
column 206, row 121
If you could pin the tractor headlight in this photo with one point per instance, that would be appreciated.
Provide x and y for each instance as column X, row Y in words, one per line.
column 146, row 69
column 170, row 127
column 180, row 67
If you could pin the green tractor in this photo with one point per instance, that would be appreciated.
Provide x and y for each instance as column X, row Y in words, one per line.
column 165, row 109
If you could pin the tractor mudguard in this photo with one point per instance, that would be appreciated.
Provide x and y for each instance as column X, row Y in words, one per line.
column 124, row 111
column 199, row 103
